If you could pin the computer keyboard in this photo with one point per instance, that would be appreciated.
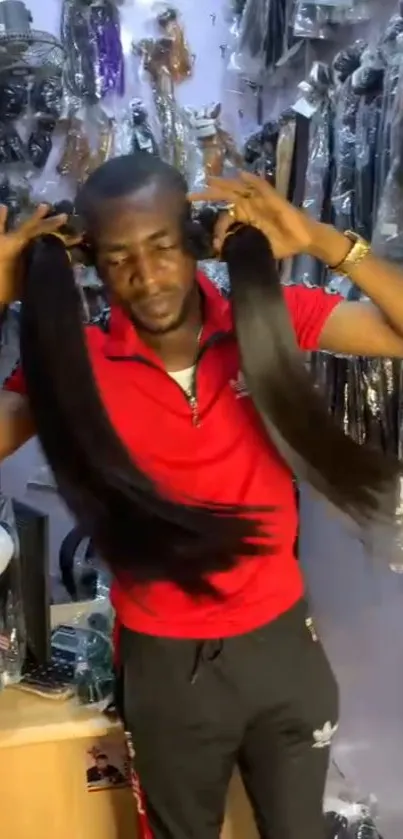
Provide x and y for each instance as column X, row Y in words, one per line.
column 51, row 678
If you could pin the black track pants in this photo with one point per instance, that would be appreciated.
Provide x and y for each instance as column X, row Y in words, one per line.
column 266, row 701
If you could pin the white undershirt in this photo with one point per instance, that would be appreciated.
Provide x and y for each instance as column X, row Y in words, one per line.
column 183, row 378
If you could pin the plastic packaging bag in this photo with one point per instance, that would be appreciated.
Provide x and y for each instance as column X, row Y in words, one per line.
column 90, row 640
column 94, row 61
column 40, row 143
column 104, row 24
column 238, row 7
column 367, row 82
column 250, row 55
column 260, row 151
column 46, row 97
column 176, row 131
column 350, row 826
column 94, row 677
column 46, row 100
column 348, row 813
column 317, row 96
column 361, row 391
column 12, row 198
column 142, row 135
column 180, row 61
column 310, row 21
column 76, row 156
column 263, row 37
column 393, row 50
column 387, row 240
column 12, row 624
column 89, row 143
column 285, row 152
column 79, row 50
column 321, row 19
column 386, row 540
column 279, row 35
column 13, row 96
column 12, row 149
column 217, row 146
column 347, row 102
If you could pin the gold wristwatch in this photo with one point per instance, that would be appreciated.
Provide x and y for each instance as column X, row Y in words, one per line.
column 358, row 251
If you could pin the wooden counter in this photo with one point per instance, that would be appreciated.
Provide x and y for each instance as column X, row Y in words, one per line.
column 44, row 748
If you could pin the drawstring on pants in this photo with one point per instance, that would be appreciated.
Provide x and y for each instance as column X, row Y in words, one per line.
column 206, row 651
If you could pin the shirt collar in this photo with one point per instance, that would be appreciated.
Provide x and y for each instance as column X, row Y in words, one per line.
column 123, row 341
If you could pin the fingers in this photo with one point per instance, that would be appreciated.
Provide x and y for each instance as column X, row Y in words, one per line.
column 262, row 188
column 3, row 218
column 39, row 225
column 245, row 186
column 215, row 194
column 37, row 216
column 50, row 225
column 224, row 221
column 221, row 189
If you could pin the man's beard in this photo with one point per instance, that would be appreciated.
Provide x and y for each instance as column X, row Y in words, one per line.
column 171, row 326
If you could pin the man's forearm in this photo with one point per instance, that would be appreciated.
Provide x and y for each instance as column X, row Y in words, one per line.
column 379, row 280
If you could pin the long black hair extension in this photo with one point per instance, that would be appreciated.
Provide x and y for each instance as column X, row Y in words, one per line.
column 137, row 529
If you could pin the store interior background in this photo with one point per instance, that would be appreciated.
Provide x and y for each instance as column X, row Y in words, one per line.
column 357, row 601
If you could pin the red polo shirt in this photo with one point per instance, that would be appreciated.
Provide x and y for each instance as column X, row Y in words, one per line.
column 223, row 457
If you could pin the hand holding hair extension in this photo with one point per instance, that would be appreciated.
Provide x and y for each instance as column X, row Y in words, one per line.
column 136, row 529
column 13, row 242
column 357, row 479
column 252, row 200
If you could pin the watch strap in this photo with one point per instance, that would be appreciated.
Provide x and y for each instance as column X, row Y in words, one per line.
column 360, row 248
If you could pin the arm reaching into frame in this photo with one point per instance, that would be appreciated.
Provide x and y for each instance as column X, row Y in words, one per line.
column 16, row 425
column 372, row 329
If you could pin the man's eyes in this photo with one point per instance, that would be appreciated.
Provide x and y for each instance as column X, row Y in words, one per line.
column 121, row 260
column 115, row 262
column 166, row 247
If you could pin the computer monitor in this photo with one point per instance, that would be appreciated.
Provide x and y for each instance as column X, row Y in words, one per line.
column 33, row 533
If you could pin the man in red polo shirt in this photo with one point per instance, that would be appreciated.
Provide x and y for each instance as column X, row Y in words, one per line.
column 242, row 680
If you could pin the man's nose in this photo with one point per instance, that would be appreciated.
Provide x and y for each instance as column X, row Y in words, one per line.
column 144, row 274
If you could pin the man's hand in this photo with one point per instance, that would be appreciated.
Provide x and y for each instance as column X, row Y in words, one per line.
column 12, row 246
column 253, row 201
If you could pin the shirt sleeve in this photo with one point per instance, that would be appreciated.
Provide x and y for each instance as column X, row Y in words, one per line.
column 309, row 309
column 15, row 381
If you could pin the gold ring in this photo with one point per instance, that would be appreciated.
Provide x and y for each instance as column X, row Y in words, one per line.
column 231, row 211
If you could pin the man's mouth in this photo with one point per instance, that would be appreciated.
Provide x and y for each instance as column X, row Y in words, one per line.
column 156, row 306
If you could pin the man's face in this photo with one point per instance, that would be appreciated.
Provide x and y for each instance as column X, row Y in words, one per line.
column 141, row 258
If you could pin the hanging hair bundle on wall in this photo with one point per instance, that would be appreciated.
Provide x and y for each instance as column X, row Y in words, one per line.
column 79, row 50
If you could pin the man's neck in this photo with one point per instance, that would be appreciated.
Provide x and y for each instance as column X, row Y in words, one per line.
column 178, row 349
